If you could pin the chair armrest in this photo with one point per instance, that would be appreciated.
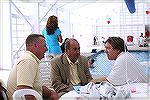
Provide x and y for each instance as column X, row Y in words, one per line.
column 26, row 93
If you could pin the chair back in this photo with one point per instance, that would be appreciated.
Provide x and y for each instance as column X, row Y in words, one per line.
column 3, row 91
column 20, row 94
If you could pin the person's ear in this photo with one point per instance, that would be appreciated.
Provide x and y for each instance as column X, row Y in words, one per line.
column 35, row 45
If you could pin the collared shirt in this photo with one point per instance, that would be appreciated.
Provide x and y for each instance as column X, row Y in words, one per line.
column 73, row 72
column 25, row 72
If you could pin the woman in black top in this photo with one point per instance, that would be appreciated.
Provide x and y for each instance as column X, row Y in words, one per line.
column 63, row 45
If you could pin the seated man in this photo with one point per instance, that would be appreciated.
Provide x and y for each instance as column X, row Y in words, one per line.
column 130, row 41
column 90, row 62
column 69, row 69
column 126, row 68
column 25, row 73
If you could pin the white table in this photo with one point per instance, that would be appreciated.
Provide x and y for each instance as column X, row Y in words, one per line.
column 139, row 91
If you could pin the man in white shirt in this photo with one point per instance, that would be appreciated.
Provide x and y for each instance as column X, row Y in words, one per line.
column 126, row 67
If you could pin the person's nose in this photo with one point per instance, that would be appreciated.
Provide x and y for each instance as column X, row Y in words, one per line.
column 46, row 49
column 78, row 51
column 105, row 50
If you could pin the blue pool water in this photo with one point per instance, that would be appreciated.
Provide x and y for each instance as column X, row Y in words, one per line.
column 102, row 66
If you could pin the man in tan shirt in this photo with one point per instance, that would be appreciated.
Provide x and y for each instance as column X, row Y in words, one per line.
column 69, row 69
column 25, row 73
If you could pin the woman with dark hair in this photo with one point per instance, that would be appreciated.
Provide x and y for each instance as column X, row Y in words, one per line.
column 63, row 45
column 52, row 36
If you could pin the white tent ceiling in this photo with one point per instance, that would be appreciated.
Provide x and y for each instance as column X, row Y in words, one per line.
column 75, row 3
column 87, row 7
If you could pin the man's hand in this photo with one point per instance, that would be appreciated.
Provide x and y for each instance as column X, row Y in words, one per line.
column 99, row 80
column 53, row 95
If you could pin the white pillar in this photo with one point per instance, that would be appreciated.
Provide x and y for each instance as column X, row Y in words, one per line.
column 5, row 38
column 0, row 34
column 35, row 17
column 67, row 25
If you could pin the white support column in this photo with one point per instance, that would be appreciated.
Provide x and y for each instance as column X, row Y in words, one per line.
column 0, row 34
column 5, row 41
column 67, row 25
column 35, row 17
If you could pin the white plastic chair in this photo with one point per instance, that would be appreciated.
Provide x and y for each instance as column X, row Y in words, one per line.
column 20, row 94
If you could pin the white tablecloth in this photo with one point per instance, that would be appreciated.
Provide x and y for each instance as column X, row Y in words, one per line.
column 138, row 91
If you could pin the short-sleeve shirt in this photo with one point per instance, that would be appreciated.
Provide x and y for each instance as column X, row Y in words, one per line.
column 52, row 41
column 127, row 68
column 25, row 72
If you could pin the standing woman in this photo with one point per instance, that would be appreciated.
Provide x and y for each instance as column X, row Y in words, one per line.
column 52, row 36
